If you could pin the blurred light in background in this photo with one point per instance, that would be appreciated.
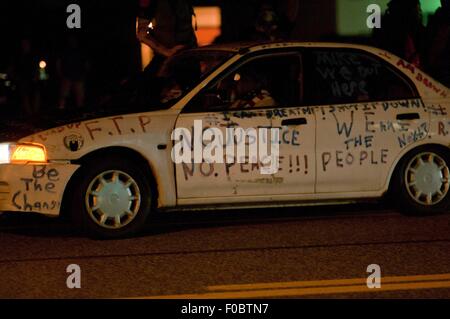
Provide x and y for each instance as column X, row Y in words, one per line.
column 43, row 75
column 352, row 16
column 429, row 7
column 209, row 21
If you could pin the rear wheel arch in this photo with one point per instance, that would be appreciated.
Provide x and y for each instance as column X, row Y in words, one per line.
column 423, row 189
column 415, row 149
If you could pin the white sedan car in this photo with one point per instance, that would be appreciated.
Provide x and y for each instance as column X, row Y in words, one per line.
column 353, row 122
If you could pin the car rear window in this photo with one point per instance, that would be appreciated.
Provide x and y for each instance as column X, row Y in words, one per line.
column 339, row 76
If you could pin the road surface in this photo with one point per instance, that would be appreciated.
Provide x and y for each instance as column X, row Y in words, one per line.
column 318, row 252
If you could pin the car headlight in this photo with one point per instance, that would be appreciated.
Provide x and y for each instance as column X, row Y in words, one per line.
column 20, row 153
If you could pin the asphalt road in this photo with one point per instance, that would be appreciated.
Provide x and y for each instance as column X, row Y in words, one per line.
column 320, row 252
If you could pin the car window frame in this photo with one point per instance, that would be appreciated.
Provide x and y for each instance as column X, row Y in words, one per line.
column 172, row 103
column 245, row 59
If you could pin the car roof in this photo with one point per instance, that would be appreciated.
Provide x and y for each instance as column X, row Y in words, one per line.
column 245, row 47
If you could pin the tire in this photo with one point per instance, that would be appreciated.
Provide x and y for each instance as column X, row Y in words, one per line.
column 111, row 199
column 421, row 184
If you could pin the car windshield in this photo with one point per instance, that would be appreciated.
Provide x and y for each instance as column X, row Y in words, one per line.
column 162, row 89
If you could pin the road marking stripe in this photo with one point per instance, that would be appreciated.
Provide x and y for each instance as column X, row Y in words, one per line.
column 297, row 292
column 317, row 287
column 322, row 283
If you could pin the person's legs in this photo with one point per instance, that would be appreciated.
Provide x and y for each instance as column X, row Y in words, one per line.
column 64, row 93
column 25, row 97
column 78, row 90
column 36, row 100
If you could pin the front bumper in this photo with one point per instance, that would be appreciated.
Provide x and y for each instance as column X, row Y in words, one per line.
column 37, row 188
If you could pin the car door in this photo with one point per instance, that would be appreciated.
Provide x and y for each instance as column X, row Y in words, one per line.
column 218, row 106
column 367, row 113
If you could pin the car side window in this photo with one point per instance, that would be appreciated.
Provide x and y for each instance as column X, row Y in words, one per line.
column 261, row 82
column 339, row 76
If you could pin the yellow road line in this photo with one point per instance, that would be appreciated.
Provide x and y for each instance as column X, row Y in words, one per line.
column 298, row 292
column 319, row 287
column 322, row 283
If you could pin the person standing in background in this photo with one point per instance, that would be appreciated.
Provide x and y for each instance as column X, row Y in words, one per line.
column 275, row 20
column 402, row 31
column 25, row 72
column 72, row 68
column 438, row 44
column 288, row 11
column 166, row 27
column 250, row 20
column 267, row 26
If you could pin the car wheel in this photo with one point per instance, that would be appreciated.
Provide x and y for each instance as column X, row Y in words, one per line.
column 112, row 199
column 422, row 182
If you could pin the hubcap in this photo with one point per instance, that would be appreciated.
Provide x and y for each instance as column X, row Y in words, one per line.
column 113, row 199
column 426, row 178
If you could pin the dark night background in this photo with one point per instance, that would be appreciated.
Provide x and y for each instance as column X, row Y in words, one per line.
column 108, row 31
column 108, row 34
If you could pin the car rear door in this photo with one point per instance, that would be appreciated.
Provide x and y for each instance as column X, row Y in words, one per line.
column 367, row 113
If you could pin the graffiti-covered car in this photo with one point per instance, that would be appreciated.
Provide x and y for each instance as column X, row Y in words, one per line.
column 350, row 123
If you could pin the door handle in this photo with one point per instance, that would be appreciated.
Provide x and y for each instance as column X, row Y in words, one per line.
column 408, row 116
column 298, row 121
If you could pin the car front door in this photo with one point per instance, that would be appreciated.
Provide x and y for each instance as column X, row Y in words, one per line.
column 262, row 92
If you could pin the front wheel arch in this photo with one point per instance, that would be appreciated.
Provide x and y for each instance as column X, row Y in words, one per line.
column 124, row 152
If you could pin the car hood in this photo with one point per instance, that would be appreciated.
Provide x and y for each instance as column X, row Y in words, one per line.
column 70, row 138
column 14, row 129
